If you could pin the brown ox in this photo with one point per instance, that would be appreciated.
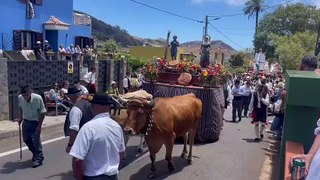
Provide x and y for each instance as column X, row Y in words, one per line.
column 163, row 121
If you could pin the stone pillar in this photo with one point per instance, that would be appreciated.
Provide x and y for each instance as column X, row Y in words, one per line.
column 4, row 96
column 109, row 72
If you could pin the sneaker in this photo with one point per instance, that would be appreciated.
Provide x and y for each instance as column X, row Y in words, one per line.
column 37, row 162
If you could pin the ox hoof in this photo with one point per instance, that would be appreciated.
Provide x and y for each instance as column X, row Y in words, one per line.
column 151, row 175
column 171, row 168
column 190, row 161
column 183, row 155
column 140, row 150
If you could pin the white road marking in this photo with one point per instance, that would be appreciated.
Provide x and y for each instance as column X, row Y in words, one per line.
column 24, row 148
column 141, row 157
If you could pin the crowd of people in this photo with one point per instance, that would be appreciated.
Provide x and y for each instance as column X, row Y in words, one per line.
column 257, row 96
column 72, row 52
column 250, row 96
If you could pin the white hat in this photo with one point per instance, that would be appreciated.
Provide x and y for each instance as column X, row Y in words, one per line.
column 113, row 82
column 46, row 41
column 38, row 42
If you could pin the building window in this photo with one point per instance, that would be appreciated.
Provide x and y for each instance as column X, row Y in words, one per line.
column 83, row 41
column 26, row 39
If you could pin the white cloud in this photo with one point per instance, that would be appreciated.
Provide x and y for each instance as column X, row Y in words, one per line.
column 316, row 2
column 202, row 1
column 236, row 2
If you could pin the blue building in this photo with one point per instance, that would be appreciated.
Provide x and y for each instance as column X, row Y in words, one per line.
column 24, row 22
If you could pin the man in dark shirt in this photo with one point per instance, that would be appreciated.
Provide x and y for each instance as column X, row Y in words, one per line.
column 174, row 48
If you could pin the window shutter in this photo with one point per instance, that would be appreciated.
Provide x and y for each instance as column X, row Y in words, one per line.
column 38, row 2
column 77, row 41
column 39, row 37
column 91, row 42
column 17, row 40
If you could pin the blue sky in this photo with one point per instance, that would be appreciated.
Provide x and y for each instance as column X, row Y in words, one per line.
column 148, row 23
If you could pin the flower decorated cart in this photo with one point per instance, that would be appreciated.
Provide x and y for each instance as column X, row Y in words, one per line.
column 163, row 81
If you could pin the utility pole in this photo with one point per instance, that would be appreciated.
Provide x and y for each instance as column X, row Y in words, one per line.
column 206, row 26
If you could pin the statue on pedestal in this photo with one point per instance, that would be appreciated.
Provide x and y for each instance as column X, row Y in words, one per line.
column 205, row 52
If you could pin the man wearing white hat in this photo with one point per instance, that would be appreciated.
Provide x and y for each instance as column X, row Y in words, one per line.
column 38, row 50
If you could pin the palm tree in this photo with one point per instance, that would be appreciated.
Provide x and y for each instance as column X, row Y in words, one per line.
column 254, row 7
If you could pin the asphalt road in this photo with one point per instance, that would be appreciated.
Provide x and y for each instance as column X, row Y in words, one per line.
column 235, row 156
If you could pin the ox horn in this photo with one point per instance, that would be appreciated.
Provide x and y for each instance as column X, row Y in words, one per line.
column 151, row 103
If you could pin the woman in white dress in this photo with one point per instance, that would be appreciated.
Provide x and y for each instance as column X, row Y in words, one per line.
column 312, row 159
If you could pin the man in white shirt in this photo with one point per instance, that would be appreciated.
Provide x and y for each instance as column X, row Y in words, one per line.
column 126, row 83
column 259, row 61
column 237, row 93
column 80, row 113
column 247, row 92
column 99, row 145
column 90, row 78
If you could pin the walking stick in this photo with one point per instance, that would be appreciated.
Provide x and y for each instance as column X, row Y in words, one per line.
column 20, row 142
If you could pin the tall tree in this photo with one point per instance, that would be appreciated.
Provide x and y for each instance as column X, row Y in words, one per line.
column 253, row 8
column 285, row 21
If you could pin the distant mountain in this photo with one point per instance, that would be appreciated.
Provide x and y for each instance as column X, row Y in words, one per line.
column 105, row 32
column 214, row 44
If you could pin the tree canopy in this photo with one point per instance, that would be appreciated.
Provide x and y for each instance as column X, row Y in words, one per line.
column 291, row 49
column 253, row 8
column 284, row 21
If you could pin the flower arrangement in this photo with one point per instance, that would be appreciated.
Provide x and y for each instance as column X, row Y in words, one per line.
column 210, row 75
column 151, row 72
column 188, row 67
column 223, row 74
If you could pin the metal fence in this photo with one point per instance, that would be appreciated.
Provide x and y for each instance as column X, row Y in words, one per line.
column 40, row 75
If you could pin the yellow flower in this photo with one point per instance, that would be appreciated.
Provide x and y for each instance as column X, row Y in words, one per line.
column 206, row 73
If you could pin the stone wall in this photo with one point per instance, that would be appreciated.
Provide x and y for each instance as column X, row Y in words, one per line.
column 4, row 96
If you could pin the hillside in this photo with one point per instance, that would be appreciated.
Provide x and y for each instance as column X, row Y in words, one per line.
column 104, row 32
column 214, row 44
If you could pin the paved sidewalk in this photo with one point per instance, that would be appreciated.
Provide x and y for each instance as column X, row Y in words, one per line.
column 10, row 129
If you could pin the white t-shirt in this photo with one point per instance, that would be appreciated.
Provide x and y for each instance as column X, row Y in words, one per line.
column 75, row 116
column 90, row 78
column 314, row 172
column 84, row 90
column 64, row 90
column 99, row 143
column 125, row 82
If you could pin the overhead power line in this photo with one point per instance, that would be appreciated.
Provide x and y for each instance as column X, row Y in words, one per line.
column 241, row 14
column 167, row 12
column 225, row 36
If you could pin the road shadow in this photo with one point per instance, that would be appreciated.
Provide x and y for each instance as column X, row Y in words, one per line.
column 11, row 167
column 62, row 176
column 249, row 140
column 273, row 155
column 230, row 121
column 132, row 155
column 162, row 170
